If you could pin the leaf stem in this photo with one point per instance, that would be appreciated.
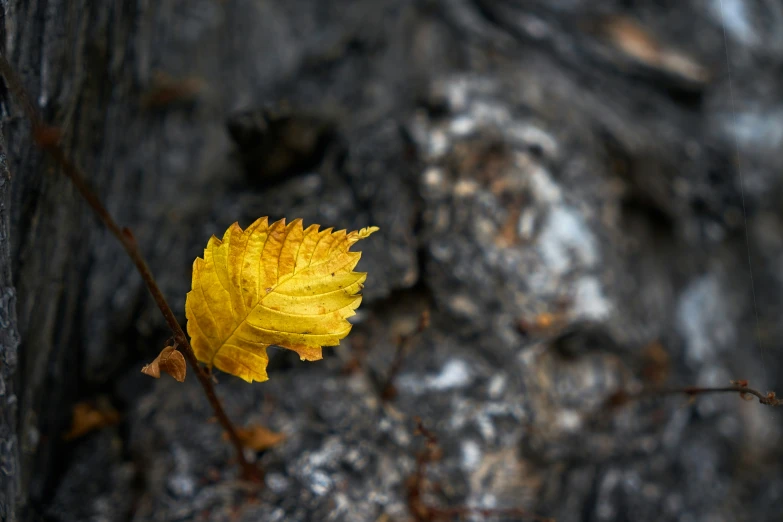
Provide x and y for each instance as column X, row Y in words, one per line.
column 47, row 138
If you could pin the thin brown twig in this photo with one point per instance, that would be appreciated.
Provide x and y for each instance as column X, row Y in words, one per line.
column 417, row 485
column 416, row 482
column 47, row 138
column 740, row 387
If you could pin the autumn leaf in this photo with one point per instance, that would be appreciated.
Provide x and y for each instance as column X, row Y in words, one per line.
column 169, row 360
column 87, row 417
column 272, row 284
column 258, row 438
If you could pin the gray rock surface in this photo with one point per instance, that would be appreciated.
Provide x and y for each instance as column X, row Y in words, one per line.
column 575, row 190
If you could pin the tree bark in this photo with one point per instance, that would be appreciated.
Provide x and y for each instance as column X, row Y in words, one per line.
column 9, row 343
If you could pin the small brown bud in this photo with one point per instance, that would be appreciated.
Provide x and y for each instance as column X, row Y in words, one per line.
column 171, row 361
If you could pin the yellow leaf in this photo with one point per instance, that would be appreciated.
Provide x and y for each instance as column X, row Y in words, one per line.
column 272, row 284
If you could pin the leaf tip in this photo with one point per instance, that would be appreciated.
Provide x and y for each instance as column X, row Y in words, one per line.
column 261, row 223
column 214, row 241
column 152, row 370
column 367, row 231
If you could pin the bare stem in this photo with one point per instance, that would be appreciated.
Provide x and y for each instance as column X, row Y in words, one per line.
column 48, row 139
column 740, row 387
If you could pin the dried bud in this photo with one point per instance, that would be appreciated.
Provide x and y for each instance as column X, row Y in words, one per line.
column 171, row 361
column 770, row 399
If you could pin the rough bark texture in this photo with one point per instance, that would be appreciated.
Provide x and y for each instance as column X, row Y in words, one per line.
column 9, row 343
column 556, row 180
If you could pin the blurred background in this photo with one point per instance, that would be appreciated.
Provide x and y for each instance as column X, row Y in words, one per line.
column 575, row 191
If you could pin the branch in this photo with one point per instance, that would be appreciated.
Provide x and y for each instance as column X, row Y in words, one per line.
column 622, row 398
column 48, row 139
